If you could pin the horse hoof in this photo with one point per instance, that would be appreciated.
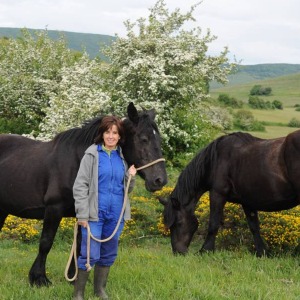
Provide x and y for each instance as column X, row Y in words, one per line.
column 39, row 281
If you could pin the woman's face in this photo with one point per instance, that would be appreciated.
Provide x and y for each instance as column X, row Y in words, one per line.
column 111, row 137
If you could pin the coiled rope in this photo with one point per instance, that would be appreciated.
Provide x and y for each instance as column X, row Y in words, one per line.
column 73, row 253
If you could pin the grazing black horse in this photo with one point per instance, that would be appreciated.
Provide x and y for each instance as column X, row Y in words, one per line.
column 36, row 178
column 261, row 175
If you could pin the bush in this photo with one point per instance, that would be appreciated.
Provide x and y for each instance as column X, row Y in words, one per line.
column 260, row 90
column 230, row 101
column 280, row 229
column 244, row 120
column 294, row 123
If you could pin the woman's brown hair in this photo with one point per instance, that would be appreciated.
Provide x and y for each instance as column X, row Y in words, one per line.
column 106, row 123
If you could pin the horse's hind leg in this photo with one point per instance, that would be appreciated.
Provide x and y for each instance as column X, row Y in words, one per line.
column 253, row 223
column 3, row 216
column 37, row 274
column 217, row 203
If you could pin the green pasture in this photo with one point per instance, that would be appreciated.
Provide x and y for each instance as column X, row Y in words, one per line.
column 147, row 269
column 276, row 120
column 285, row 89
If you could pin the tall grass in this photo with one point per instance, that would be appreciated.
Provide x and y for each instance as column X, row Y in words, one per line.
column 148, row 270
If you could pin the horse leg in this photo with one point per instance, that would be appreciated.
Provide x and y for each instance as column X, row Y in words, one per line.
column 217, row 203
column 3, row 216
column 253, row 223
column 37, row 274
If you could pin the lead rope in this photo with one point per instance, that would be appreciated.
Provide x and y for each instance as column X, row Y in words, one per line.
column 73, row 253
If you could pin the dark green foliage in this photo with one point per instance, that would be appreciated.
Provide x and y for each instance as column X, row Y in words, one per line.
column 244, row 120
column 258, row 103
column 294, row 123
column 230, row 101
column 277, row 104
column 260, row 90
column 17, row 126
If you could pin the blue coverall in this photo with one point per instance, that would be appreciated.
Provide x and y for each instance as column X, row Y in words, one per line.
column 111, row 172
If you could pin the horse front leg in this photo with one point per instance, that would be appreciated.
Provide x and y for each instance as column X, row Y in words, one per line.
column 217, row 203
column 37, row 274
column 253, row 223
column 3, row 216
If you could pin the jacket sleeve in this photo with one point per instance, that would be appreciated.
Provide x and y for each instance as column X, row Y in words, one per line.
column 81, row 188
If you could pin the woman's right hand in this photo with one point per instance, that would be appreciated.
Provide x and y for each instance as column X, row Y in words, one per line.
column 83, row 223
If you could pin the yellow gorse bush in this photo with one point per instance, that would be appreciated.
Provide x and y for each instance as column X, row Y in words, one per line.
column 281, row 230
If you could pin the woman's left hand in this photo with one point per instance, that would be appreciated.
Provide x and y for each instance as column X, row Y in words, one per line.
column 132, row 170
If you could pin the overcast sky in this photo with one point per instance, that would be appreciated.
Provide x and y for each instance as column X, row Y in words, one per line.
column 255, row 31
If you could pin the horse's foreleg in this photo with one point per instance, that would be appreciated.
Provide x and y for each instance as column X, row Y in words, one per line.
column 217, row 203
column 37, row 274
column 3, row 216
column 253, row 223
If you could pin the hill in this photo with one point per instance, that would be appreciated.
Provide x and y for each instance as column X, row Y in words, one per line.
column 89, row 42
column 284, row 88
column 93, row 42
column 254, row 73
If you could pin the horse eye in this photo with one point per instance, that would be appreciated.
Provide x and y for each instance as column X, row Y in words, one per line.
column 144, row 140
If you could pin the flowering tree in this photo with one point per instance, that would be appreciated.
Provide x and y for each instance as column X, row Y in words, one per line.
column 78, row 97
column 29, row 73
column 168, row 68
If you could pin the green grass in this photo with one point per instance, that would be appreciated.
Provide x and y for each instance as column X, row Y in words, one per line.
column 148, row 270
column 285, row 89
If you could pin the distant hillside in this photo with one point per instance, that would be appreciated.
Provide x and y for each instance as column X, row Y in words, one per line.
column 252, row 73
column 76, row 41
column 284, row 88
column 93, row 42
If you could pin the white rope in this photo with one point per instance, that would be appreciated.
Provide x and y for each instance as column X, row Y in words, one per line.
column 73, row 253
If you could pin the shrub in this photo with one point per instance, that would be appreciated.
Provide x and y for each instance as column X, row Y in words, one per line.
column 244, row 120
column 281, row 230
column 294, row 123
column 260, row 90
column 230, row 101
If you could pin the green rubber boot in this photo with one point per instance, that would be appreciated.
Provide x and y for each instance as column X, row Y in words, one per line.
column 100, row 280
column 79, row 285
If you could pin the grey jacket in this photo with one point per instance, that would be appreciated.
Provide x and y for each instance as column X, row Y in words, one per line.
column 85, row 188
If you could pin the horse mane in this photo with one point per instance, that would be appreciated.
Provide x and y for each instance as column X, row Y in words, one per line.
column 83, row 135
column 194, row 176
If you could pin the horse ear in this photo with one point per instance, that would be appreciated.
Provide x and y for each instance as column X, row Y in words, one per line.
column 132, row 113
column 152, row 113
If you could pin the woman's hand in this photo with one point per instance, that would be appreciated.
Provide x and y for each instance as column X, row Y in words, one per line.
column 132, row 170
column 83, row 223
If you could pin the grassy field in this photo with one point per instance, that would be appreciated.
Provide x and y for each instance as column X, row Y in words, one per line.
column 148, row 270
column 285, row 89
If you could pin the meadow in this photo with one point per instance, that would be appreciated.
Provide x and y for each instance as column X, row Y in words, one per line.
column 148, row 270
column 285, row 89
column 146, row 267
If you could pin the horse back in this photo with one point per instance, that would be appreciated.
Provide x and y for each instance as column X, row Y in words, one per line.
column 254, row 173
column 33, row 174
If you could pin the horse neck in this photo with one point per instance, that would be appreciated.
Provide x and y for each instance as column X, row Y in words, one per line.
column 128, row 145
column 192, row 182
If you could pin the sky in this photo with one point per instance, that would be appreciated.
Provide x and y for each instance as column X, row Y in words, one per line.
column 255, row 32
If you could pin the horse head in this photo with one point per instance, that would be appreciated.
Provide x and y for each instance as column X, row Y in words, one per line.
column 143, row 145
column 181, row 221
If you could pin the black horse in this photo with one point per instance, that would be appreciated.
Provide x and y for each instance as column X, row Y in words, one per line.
column 36, row 178
column 261, row 175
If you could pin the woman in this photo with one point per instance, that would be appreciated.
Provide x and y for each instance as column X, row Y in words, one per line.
column 99, row 193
